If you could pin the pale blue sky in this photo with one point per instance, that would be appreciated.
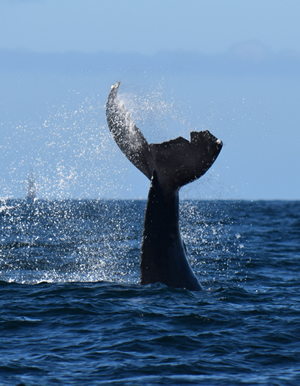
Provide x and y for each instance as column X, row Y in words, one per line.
column 230, row 66
column 144, row 26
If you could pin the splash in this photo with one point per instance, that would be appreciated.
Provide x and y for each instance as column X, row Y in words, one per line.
column 154, row 112
column 69, row 153
column 69, row 240
column 215, row 247
column 73, row 155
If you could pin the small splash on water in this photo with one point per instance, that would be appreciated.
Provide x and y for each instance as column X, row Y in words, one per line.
column 69, row 240
column 213, row 250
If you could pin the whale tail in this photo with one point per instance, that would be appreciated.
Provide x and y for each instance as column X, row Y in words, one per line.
column 176, row 162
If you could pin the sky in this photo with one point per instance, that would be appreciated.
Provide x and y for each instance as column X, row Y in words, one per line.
column 232, row 67
column 147, row 26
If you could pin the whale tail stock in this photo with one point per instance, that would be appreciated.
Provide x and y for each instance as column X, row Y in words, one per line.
column 176, row 162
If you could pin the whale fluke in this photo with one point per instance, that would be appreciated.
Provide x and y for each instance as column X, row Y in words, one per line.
column 169, row 165
column 177, row 162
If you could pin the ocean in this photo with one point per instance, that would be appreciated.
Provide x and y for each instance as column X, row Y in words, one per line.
column 72, row 311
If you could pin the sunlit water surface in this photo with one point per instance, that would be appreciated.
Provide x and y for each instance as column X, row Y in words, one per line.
column 73, row 312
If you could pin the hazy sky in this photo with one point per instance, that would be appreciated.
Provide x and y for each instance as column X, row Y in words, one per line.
column 145, row 26
column 245, row 90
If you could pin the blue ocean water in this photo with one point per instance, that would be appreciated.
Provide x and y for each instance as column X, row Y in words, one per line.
column 72, row 311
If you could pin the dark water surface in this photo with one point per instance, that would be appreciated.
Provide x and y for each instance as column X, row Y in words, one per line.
column 72, row 311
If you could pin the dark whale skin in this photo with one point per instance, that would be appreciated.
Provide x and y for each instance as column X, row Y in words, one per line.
column 169, row 165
